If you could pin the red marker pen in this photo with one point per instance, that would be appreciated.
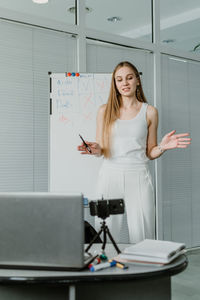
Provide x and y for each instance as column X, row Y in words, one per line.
column 96, row 261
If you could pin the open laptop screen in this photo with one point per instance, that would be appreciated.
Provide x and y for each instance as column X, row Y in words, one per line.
column 41, row 230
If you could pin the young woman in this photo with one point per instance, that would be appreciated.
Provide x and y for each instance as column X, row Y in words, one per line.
column 126, row 136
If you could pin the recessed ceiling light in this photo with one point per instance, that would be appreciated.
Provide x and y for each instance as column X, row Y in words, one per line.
column 40, row 1
column 114, row 19
column 169, row 41
column 73, row 9
column 197, row 48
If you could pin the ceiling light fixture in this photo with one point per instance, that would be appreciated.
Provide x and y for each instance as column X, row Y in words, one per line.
column 73, row 9
column 169, row 41
column 40, row 1
column 114, row 19
column 197, row 47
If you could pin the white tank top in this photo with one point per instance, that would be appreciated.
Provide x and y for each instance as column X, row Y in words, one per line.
column 128, row 140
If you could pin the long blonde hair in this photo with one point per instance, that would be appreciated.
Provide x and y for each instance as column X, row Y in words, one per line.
column 112, row 110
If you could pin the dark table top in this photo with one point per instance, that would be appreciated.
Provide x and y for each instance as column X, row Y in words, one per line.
column 135, row 271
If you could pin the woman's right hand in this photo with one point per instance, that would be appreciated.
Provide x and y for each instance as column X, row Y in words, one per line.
column 94, row 147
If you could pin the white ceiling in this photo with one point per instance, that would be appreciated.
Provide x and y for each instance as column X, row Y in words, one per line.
column 180, row 19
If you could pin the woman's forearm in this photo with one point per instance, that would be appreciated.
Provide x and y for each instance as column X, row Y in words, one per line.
column 155, row 152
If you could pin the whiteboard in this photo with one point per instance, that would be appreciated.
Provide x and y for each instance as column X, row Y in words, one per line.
column 74, row 105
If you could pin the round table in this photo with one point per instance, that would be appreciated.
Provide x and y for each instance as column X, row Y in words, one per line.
column 136, row 282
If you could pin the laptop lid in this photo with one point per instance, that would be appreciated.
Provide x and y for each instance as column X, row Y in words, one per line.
column 41, row 230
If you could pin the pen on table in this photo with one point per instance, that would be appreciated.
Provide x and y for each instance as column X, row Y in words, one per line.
column 103, row 266
column 96, row 261
column 86, row 145
column 103, row 257
column 120, row 265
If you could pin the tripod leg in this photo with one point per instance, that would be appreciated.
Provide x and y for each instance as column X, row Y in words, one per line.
column 104, row 239
column 93, row 240
column 112, row 240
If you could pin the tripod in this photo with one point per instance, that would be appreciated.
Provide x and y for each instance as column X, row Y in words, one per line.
column 104, row 228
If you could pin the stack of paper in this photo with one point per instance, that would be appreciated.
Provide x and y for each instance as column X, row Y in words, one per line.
column 152, row 252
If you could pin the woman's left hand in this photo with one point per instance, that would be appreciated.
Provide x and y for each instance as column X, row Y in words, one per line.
column 172, row 140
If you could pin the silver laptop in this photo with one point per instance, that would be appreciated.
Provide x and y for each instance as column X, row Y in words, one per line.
column 42, row 231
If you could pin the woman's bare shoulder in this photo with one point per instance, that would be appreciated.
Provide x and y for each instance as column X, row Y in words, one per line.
column 101, row 110
column 152, row 111
column 152, row 115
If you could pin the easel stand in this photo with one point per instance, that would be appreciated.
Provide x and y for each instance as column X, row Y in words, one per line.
column 104, row 228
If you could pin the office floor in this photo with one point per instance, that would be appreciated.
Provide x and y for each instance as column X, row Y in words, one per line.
column 186, row 285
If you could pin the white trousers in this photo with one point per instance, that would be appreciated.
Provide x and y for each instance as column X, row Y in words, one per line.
column 134, row 185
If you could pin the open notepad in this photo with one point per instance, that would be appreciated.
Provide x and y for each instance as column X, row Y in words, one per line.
column 152, row 252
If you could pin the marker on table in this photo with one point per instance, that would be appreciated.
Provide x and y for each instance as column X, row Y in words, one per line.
column 86, row 145
column 103, row 266
column 103, row 257
column 119, row 264
column 96, row 261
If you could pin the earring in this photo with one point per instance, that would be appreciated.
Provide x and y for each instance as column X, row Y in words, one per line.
column 138, row 92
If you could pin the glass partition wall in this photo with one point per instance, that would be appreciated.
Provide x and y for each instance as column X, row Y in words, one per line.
column 180, row 23
column 58, row 11
column 126, row 18
column 171, row 80
column 179, row 170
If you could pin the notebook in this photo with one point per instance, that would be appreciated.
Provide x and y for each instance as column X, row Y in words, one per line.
column 42, row 231
column 152, row 252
